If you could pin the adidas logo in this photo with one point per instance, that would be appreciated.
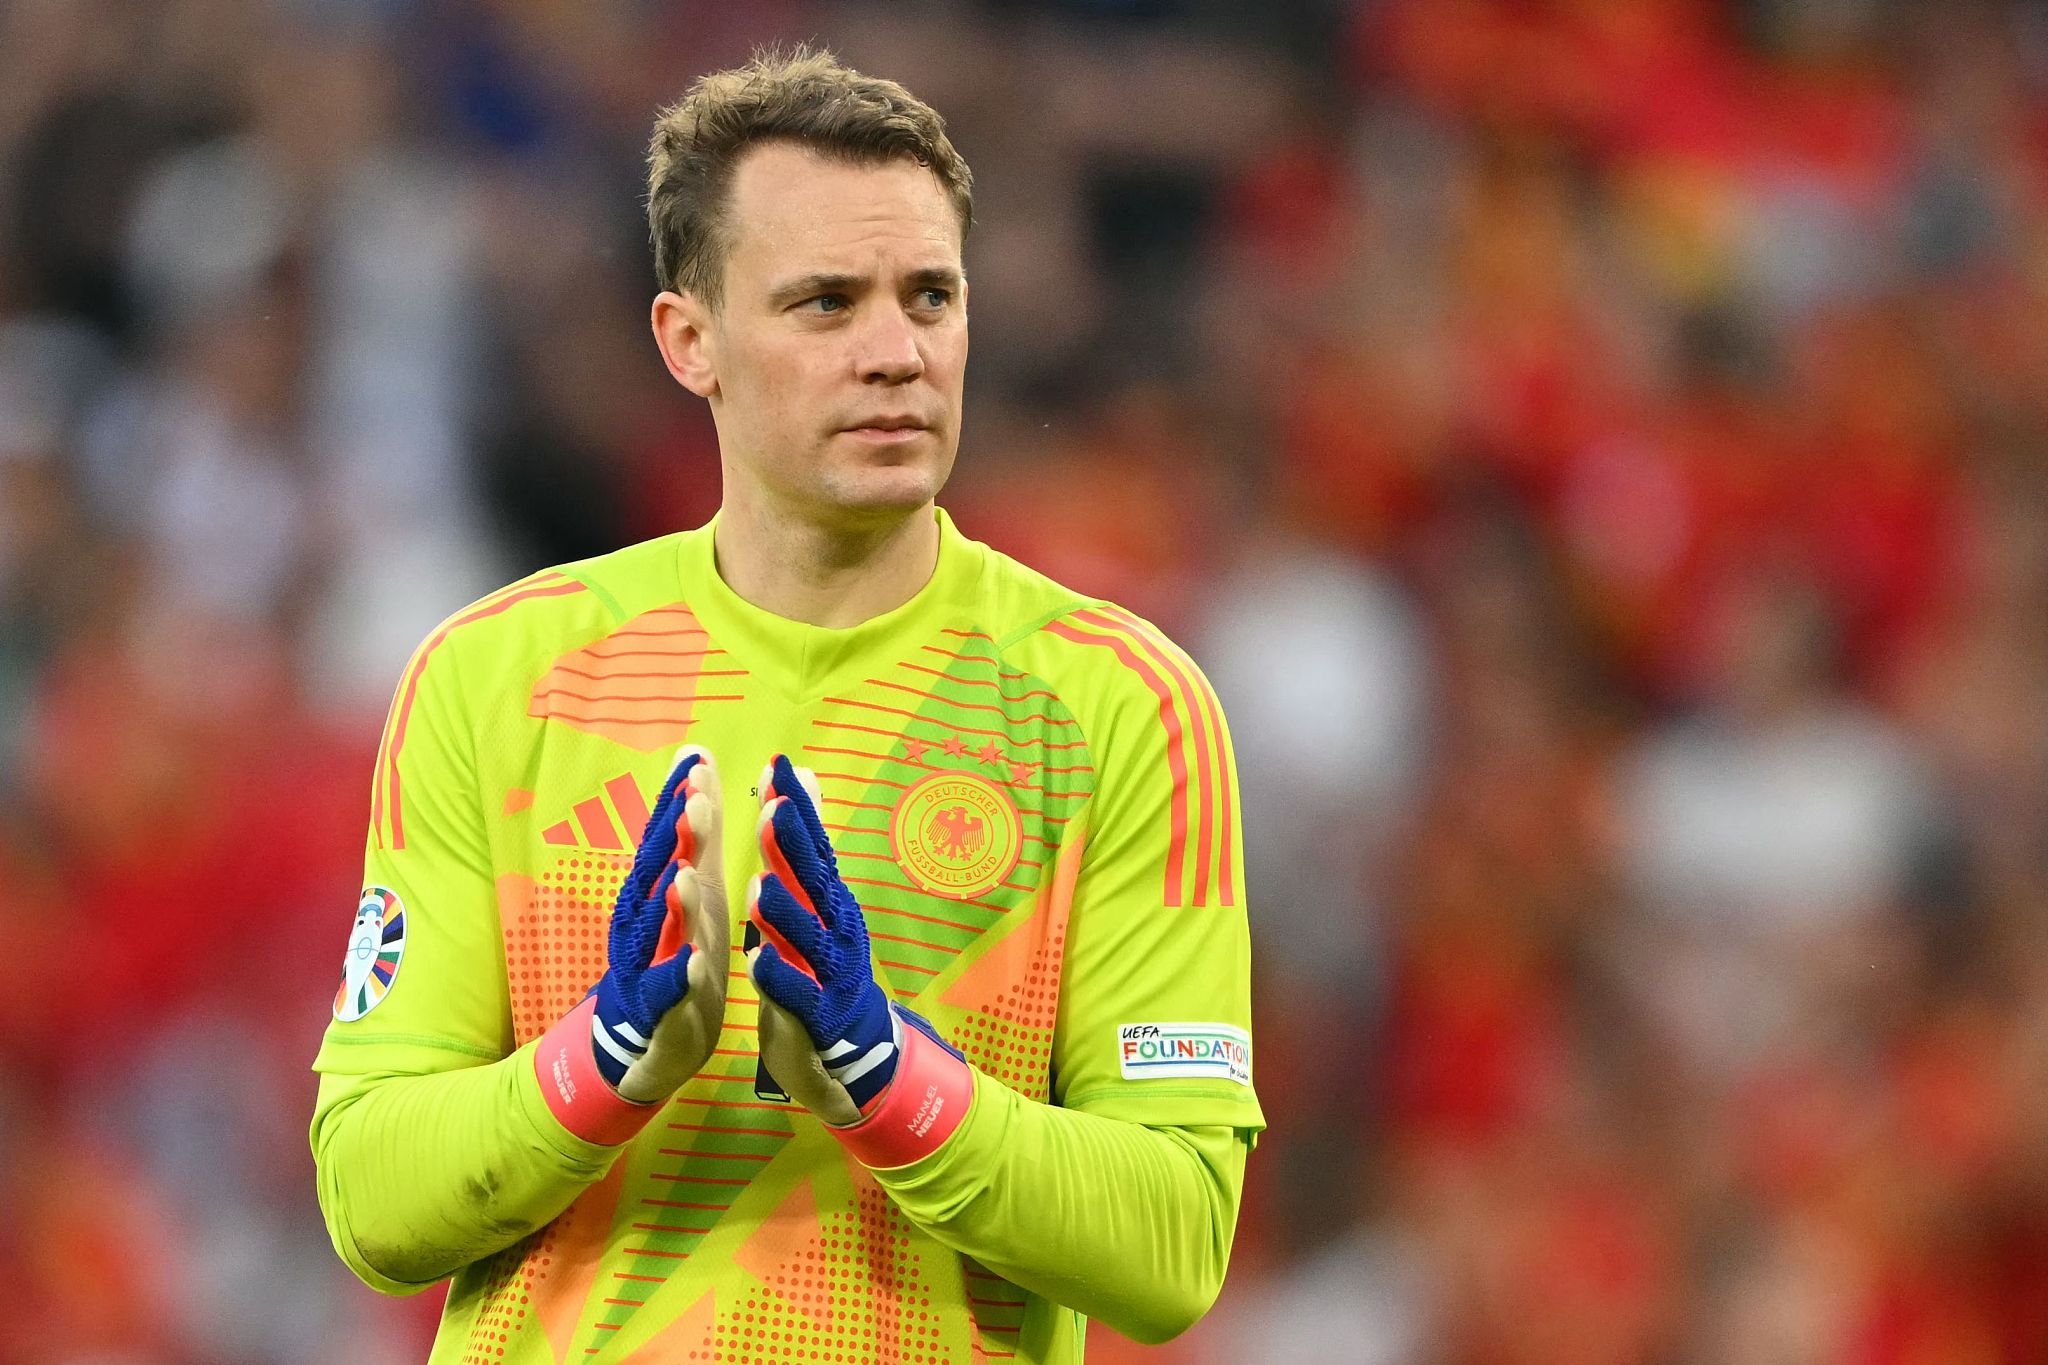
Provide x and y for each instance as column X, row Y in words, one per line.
column 612, row 820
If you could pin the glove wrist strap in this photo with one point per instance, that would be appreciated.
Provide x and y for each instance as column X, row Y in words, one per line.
column 576, row 1091
column 922, row 1107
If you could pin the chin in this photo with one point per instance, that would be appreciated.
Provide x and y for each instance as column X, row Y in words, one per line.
column 884, row 490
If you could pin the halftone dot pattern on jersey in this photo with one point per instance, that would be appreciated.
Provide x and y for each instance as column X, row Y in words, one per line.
column 862, row 1266
column 555, row 936
column 785, row 1252
column 1009, row 1000
column 537, row 1285
column 641, row 684
column 512, row 1278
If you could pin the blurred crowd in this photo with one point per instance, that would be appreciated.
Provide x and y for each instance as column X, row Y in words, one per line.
column 1598, row 449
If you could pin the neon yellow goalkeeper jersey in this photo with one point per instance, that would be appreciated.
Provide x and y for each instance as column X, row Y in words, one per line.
column 1033, row 797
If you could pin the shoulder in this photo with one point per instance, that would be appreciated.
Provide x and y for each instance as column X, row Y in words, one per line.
column 1125, row 679
column 1007, row 598
column 538, row 616
column 1163, row 773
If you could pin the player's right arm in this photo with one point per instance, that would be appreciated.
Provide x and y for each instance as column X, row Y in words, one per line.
column 436, row 1142
column 422, row 1174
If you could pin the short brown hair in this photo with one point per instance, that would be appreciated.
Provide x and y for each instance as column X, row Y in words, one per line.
column 804, row 96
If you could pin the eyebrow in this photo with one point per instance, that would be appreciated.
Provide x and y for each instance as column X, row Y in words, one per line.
column 823, row 282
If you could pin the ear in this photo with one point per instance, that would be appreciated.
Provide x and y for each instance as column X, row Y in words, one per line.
column 683, row 332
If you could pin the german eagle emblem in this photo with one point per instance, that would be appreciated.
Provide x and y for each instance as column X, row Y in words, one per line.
column 955, row 833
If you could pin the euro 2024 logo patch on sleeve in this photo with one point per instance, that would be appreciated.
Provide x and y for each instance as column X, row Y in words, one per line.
column 376, row 945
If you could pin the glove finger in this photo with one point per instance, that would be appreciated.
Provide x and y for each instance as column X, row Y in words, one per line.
column 705, row 827
column 807, row 853
column 786, row 779
column 665, row 984
column 691, row 770
column 808, row 777
column 784, row 984
column 636, row 927
column 687, row 759
column 802, row 937
column 658, row 840
column 771, row 933
column 675, row 919
column 789, row 858
column 685, row 839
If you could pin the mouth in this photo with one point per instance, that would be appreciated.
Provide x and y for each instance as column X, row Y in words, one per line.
column 886, row 430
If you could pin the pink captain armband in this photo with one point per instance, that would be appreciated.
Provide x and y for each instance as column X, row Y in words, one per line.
column 576, row 1091
column 924, row 1103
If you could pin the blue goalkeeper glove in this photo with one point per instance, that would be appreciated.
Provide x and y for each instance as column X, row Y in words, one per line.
column 655, row 1014
column 813, row 968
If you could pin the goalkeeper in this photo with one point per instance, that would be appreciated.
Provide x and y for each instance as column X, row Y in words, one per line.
column 902, row 1014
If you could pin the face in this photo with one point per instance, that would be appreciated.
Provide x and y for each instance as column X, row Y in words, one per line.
column 834, row 364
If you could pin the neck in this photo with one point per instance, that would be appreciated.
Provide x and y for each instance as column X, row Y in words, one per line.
column 831, row 576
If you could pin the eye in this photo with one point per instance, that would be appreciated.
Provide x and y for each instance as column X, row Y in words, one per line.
column 934, row 297
column 825, row 303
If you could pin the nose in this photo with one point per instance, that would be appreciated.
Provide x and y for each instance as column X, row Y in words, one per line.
column 887, row 348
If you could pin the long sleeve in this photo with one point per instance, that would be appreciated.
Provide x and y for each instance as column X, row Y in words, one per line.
column 421, row 1174
column 1126, row 1224
column 433, row 1141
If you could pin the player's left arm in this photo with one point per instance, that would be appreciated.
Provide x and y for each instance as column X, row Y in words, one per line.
column 1126, row 1224
column 1125, row 1214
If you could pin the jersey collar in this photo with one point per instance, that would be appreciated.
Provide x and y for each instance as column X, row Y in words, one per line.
column 802, row 662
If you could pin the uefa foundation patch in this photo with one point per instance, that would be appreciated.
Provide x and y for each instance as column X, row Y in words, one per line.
column 957, row 834
column 375, row 948
column 1215, row 1052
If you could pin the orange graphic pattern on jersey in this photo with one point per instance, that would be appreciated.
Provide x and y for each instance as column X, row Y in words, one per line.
column 692, row 1336
column 717, row 1137
column 862, row 1265
column 938, row 712
column 555, row 936
column 576, row 1242
column 512, row 1281
column 1010, row 994
column 714, row 1135
column 641, row 684
column 503, row 1313
column 785, row 1252
column 547, row 1276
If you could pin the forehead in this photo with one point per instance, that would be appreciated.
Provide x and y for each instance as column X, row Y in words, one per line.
column 792, row 209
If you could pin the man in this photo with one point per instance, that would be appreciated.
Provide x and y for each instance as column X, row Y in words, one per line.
column 979, row 1067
